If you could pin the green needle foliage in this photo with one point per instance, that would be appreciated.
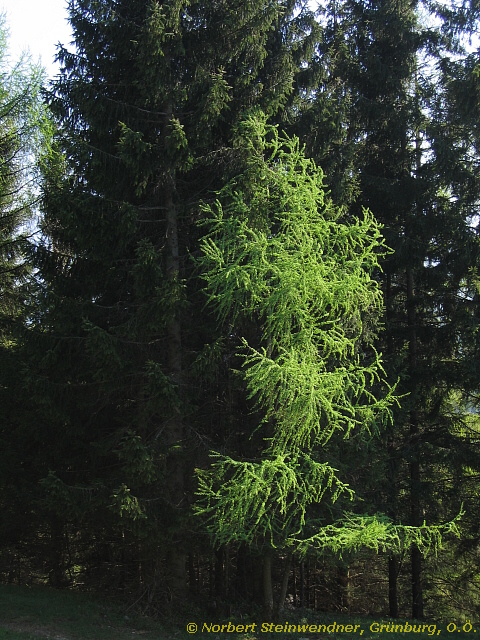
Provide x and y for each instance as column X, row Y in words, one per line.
column 277, row 252
column 243, row 496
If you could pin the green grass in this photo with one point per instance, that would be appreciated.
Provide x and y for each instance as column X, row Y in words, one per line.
column 39, row 613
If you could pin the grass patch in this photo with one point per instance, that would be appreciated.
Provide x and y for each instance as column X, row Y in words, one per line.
column 39, row 613
column 29, row 613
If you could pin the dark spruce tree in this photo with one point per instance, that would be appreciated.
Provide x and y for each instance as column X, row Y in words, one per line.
column 455, row 142
column 132, row 376
column 385, row 125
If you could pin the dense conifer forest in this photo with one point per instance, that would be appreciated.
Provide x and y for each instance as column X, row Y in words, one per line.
column 239, row 308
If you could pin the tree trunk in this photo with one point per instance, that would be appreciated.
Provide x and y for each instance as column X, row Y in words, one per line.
column 392, row 586
column 241, row 573
column 57, row 576
column 174, row 430
column 392, row 465
column 343, row 581
column 415, row 479
column 192, row 579
column 226, row 578
column 294, row 583
column 416, row 556
column 417, row 587
column 256, row 576
column 308, row 590
column 219, row 582
column 267, row 586
column 211, row 589
column 302, row 584
column 284, row 587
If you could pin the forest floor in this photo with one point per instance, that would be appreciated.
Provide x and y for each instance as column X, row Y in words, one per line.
column 40, row 613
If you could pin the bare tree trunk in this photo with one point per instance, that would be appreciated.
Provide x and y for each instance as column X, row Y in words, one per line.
column 343, row 581
column 307, row 584
column 174, row 432
column 283, row 591
column 392, row 586
column 227, row 570
column 211, row 589
column 256, row 577
column 416, row 556
column 267, row 585
column 415, row 472
column 219, row 582
column 415, row 478
column 302, row 584
column 192, row 581
column 294, row 583
column 392, row 468
column 241, row 573
column 57, row 576
column 417, row 587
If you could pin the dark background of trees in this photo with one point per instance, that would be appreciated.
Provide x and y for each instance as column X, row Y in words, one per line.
column 115, row 383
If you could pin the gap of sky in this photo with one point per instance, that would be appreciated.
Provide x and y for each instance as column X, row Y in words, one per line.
column 36, row 26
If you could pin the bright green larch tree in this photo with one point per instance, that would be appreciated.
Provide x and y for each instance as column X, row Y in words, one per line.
column 277, row 254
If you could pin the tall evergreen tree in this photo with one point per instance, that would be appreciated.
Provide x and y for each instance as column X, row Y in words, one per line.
column 453, row 132
column 375, row 51
column 146, row 109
